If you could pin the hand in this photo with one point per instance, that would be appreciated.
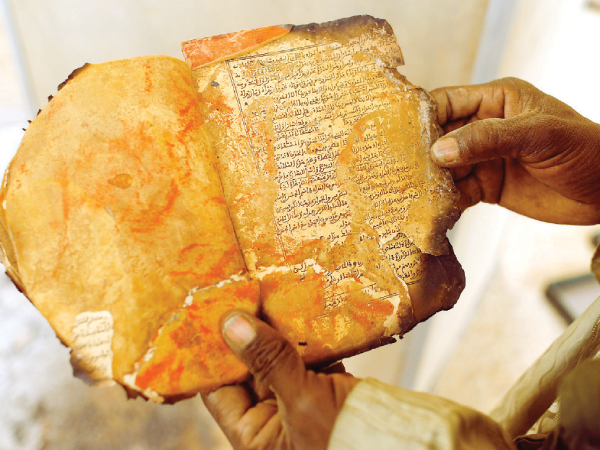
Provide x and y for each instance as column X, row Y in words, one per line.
column 288, row 407
column 511, row 144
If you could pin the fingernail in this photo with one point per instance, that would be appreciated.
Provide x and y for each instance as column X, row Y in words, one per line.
column 238, row 331
column 445, row 150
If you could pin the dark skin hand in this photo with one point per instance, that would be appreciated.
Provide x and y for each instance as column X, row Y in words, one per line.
column 506, row 143
column 509, row 143
column 285, row 406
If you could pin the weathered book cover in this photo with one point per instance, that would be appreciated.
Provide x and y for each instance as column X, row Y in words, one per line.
column 286, row 173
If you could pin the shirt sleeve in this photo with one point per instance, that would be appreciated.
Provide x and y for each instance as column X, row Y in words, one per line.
column 379, row 416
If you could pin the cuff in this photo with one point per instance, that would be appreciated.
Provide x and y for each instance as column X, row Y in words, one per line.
column 380, row 416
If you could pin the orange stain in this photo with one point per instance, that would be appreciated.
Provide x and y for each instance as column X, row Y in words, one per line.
column 184, row 360
column 219, row 264
column 148, row 78
column 176, row 273
column 218, row 200
column 149, row 376
column 370, row 313
column 186, row 109
column 153, row 216
column 230, row 255
column 190, row 118
column 122, row 180
column 175, row 376
column 191, row 247
column 187, row 333
column 216, row 102
column 63, row 180
column 203, row 51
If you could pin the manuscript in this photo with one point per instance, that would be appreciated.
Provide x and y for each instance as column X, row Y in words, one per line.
column 284, row 171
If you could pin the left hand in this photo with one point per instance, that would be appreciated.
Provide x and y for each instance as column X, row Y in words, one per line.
column 511, row 144
column 286, row 406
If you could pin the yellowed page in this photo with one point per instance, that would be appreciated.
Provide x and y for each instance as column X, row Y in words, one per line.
column 322, row 148
column 114, row 225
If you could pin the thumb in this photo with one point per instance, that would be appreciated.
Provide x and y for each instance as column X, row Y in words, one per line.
column 482, row 140
column 267, row 354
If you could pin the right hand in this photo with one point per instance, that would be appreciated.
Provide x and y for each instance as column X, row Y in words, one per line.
column 509, row 143
column 287, row 406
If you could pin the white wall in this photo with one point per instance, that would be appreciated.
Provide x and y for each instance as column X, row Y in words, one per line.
column 43, row 405
column 439, row 37
column 555, row 44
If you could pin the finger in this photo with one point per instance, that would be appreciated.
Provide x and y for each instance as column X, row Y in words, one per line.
column 483, row 184
column 228, row 404
column 456, row 103
column 463, row 102
column 460, row 172
column 470, row 193
column 256, row 418
column 271, row 435
column 488, row 139
column 497, row 99
column 261, row 390
column 454, row 125
column 267, row 354
column 231, row 407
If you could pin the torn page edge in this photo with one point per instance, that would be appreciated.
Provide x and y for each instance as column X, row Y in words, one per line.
column 91, row 349
column 129, row 379
column 391, row 324
column 200, row 52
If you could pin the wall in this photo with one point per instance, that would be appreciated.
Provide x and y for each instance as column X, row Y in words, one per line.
column 43, row 405
column 554, row 45
column 439, row 37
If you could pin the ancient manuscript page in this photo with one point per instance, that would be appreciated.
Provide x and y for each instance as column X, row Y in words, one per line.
column 114, row 224
column 322, row 149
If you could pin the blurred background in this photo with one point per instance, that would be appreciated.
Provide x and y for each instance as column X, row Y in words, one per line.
column 471, row 354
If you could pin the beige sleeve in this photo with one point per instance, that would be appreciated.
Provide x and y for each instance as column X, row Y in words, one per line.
column 531, row 405
column 536, row 390
column 377, row 415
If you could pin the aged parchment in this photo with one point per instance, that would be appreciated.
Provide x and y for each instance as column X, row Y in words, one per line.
column 322, row 148
column 113, row 216
column 91, row 352
column 286, row 174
